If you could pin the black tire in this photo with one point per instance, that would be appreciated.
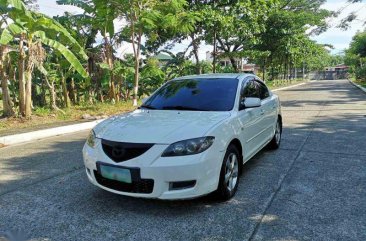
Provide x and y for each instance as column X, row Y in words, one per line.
column 276, row 140
column 227, row 190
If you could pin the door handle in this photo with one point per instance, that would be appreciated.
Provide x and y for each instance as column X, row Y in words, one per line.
column 262, row 112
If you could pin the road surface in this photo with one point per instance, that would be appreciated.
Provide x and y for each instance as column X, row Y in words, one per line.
column 313, row 188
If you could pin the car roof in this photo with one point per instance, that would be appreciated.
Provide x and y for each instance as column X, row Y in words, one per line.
column 206, row 76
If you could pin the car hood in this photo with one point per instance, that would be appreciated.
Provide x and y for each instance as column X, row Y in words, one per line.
column 158, row 126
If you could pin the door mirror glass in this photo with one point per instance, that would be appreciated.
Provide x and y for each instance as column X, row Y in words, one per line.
column 251, row 102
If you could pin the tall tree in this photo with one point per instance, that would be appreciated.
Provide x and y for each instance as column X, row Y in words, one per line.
column 236, row 24
column 143, row 18
column 356, row 55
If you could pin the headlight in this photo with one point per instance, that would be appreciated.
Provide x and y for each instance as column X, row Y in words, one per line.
column 91, row 139
column 189, row 147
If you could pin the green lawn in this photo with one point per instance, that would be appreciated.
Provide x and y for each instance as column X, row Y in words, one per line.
column 362, row 83
column 275, row 84
column 45, row 118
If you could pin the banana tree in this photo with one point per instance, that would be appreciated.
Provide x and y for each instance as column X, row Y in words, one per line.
column 100, row 14
column 37, row 30
column 6, row 6
column 8, row 110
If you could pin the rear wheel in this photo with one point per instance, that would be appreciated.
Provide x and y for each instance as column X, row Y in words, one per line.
column 276, row 140
column 229, row 176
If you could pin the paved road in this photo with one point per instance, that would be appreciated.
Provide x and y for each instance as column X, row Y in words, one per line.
column 313, row 188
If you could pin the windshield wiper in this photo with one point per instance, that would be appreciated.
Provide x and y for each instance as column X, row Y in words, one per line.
column 180, row 107
column 147, row 107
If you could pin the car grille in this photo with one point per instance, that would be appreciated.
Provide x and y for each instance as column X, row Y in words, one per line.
column 122, row 151
column 140, row 186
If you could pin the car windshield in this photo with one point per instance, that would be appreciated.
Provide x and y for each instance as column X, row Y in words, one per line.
column 202, row 94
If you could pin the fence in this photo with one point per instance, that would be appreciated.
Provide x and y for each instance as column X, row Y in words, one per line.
column 328, row 75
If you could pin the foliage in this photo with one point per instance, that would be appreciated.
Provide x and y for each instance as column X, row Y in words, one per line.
column 356, row 56
column 77, row 58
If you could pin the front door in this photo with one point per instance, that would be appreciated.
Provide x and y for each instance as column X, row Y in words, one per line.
column 251, row 121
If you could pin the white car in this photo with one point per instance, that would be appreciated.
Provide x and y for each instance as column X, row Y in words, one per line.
column 190, row 138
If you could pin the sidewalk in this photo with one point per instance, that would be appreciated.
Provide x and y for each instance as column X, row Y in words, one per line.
column 40, row 134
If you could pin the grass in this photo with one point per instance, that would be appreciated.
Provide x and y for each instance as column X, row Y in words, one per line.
column 283, row 83
column 362, row 83
column 45, row 118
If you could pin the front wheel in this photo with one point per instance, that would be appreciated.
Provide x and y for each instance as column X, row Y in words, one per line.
column 229, row 175
column 276, row 140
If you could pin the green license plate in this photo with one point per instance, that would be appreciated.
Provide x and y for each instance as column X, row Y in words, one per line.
column 116, row 173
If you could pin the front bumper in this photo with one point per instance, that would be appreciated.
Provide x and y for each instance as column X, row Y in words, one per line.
column 202, row 168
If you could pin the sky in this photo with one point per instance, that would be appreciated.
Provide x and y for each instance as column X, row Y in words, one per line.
column 340, row 39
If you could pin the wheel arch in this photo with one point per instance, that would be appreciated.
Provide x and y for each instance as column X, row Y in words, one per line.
column 237, row 143
column 280, row 119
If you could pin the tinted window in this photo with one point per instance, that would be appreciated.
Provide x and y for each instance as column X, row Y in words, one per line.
column 195, row 94
column 264, row 93
column 251, row 90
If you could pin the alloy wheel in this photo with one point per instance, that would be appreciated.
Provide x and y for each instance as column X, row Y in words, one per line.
column 278, row 132
column 232, row 170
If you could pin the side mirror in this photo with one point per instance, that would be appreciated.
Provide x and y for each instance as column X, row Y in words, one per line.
column 250, row 102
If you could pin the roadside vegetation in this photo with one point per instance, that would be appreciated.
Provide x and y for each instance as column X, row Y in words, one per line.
column 45, row 118
column 57, row 69
column 356, row 58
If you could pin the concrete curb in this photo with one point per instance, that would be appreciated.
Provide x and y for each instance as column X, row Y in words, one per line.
column 291, row 86
column 35, row 135
column 357, row 85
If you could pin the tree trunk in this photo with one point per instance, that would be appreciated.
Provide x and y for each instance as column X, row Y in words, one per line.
column 53, row 97
column 264, row 71
column 136, row 80
column 43, row 94
column 196, row 55
column 295, row 73
column 109, row 60
column 233, row 63
column 214, row 51
column 136, row 51
column 64, row 91
column 73, row 91
column 21, row 64
column 7, row 103
column 28, row 91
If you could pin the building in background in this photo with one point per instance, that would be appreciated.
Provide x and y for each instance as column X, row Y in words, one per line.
column 339, row 68
column 242, row 63
column 163, row 59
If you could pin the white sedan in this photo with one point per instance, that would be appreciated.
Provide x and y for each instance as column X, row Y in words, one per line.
column 189, row 138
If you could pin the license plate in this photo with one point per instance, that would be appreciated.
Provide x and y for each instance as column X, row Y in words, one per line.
column 116, row 173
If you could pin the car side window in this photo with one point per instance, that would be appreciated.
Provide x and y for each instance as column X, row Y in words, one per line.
column 263, row 90
column 251, row 90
